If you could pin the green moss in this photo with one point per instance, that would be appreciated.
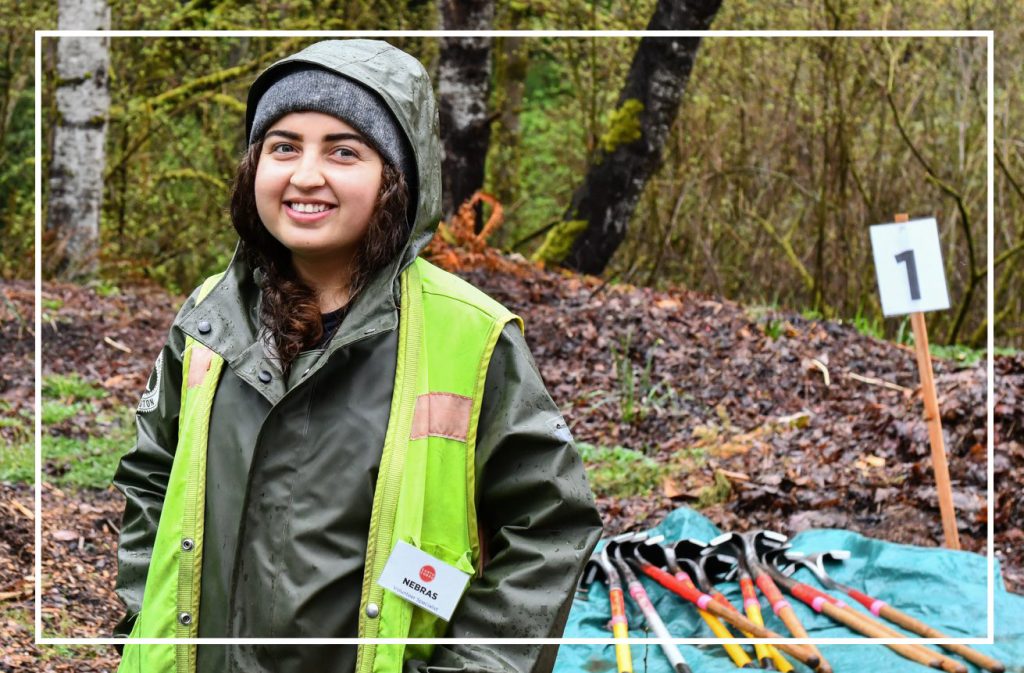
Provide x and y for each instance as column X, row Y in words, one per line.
column 17, row 462
column 70, row 388
column 559, row 241
column 89, row 462
column 718, row 492
column 619, row 472
column 57, row 412
column 623, row 126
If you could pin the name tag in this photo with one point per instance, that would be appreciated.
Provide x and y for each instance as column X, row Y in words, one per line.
column 423, row 580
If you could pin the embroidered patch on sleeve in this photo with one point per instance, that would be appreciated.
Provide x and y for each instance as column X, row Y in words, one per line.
column 151, row 397
column 441, row 415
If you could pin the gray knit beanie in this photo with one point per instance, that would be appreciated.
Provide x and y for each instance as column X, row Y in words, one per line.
column 318, row 90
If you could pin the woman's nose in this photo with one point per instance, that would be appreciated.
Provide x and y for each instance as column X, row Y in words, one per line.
column 307, row 174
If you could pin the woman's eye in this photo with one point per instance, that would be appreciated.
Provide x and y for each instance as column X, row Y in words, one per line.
column 345, row 153
column 282, row 148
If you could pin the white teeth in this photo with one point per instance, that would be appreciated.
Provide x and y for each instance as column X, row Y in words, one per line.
column 309, row 207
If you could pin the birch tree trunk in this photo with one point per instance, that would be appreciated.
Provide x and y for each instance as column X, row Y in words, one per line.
column 630, row 151
column 76, row 170
column 464, row 75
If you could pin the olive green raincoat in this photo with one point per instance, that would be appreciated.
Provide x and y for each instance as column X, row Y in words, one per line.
column 293, row 460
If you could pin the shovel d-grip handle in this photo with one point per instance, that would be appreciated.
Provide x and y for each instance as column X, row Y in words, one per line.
column 703, row 601
column 861, row 623
column 880, row 608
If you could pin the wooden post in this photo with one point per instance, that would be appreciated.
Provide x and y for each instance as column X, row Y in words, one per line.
column 940, row 463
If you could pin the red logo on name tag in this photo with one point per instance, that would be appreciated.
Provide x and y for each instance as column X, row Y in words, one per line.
column 427, row 573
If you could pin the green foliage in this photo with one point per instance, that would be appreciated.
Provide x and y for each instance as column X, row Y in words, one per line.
column 965, row 356
column 17, row 132
column 631, row 392
column 105, row 288
column 618, row 472
column 869, row 326
column 767, row 317
column 636, row 394
column 783, row 151
column 623, row 126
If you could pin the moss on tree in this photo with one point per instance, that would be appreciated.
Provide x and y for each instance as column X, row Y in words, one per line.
column 623, row 126
column 559, row 241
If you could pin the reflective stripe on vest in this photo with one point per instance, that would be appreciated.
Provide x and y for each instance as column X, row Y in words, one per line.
column 429, row 452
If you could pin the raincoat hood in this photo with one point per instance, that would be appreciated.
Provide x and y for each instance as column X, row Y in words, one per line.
column 403, row 84
column 404, row 87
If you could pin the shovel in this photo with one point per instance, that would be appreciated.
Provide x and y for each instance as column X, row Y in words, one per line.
column 816, row 564
column 601, row 567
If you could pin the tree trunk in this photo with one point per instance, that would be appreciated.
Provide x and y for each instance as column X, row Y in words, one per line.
column 76, row 172
column 464, row 75
column 631, row 148
column 511, row 63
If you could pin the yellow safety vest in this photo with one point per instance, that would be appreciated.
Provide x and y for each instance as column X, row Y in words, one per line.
column 446, row 335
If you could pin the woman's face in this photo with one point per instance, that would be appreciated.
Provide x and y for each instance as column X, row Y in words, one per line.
column 316, row 185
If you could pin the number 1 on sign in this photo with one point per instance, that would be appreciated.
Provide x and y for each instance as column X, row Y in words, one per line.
column 908, row 261
column 907, row 256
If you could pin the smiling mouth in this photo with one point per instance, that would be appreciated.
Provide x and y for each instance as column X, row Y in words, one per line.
column 308, row 208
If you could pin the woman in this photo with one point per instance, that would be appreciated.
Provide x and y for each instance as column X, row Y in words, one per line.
column 331, row 409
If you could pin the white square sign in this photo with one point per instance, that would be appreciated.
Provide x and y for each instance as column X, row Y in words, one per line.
column 908, row 263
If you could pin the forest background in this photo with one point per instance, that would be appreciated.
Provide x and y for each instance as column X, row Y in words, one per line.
column 783, row 152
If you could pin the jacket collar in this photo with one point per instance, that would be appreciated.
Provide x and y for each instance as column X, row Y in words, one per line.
column 227, row 322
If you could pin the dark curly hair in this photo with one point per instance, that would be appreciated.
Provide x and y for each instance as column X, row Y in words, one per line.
column 290, row 308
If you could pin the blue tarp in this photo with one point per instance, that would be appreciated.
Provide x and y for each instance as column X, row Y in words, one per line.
column 945, row 589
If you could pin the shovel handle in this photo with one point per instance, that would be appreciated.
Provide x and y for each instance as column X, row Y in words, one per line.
column 752, row 608
column 784, row 610
column 900, row 618
column 801, row 653
column 970, row 654
column 735, row 652
column 869, row 627
column 620, row 629
column 780, row 661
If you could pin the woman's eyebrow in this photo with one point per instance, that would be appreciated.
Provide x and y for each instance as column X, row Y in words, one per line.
column 290, row 135
column 330, row 138
column 345, row 136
